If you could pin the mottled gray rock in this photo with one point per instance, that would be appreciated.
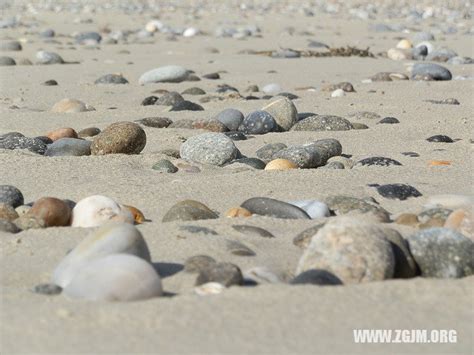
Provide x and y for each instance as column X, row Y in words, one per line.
column 304, row 158
column 209, row 148
column 155, row 122
column 15, row 140
column 303, row 239
column 231, row 118
column 342, row 205
column 10, row 195
column 322, row 123
column 170, row 99
column 316, row 277
column 166, row 74
column 397, row 191
column 377, row 161
column 189, row 210
column 267, row 151
column 69, row 147
column 111, row 79
column 274, row 208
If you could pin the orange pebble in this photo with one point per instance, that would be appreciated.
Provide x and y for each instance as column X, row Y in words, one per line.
column 59, row 133
column 138, row 215
column 438, row 162
column 281, row 164
column 238, row 212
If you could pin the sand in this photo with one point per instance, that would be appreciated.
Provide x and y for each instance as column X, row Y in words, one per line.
column 279, row 318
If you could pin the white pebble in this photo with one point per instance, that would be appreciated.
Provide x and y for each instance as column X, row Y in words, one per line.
column 315, row 209
column 338, row 93
column 96, row 210
column 210, row 288
column 272, row 89
column 190, row 32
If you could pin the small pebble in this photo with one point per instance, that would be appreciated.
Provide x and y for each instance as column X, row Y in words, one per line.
column 226, row 274
column 238, row 212
column 440, row 139
column 397, row 191
column 54, row 212
column 274, row 208
column 258, row 122
column 189, row 210
column 10, row 195
column 165, row 166
column 119, row 138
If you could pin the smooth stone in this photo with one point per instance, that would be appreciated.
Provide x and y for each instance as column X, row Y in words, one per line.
column 404, row 44
column 193, row 91
column 87, row 37
column 326, row 148
column 281, row 164
column 270, row 207
column 435, row 71
column 267, row 152
column 358, row 125
column 461, row 220
column 182, row 123
column 389, row 120
column 28, row 222
column 169, row 99
column 47, row 289
column 15, row 140
column 10, row 46
column 407, row 219
column 165, row 166
column 377, row 161
column 109, row 239
column 441, row 55
column 338, row 93
column 212, row 76
column 237, row 248
column 88, row 132
column 258, row 122
column 155, row 122
column 111, row 79
column 252, row 231
column 150, row 100
column 439, row 213
column 59, row 133
column 283, row 112
column 119, row 138
column 405, row 265
column 7, row 212
column 352, row 250
column 189, row 210
column 397, row 191
column 236, row 136
column 303, row 239
column 334, row 165
column 344, row 205
column 253, row 162
column 7, row 61
column 302, row 157
column 46, row 58
column 53, row 211
column 97, row 210
column 420, row 52
column 186, row 106
column 197, row 263
column 238, row 212
column 224, row 88
column 398, row 54
column 69, row 147
column 71, row 106
column 316, row 277
column 8, row 227
column 231, row 118
column 115, row 278
column 198, row 229
column 226, row 274
column 440, row 139
column 315, row 209
column 322, row 123
column 272, row 89
column 166, row 74
column 209, row 148
column 442, row 253
column 10, row 195
column 359, row 115
column 346, row 162
column 210, row 125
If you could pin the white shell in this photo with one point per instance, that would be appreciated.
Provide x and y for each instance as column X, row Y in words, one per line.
column 96, row 210
column 338, row 93
column 210, row 288
column 315, row 209
column 190, row 32
column 113, row 238
column 117, row 277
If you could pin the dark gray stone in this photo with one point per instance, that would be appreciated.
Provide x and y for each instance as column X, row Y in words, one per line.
column 16, row 140
column 187, row 106
column 69, row 147
column 397, row 191
column 48, row 289
column 10, row 195
column 274, row 208
column 111, row 79
column 322, row 123
column 231, row 118
column 258, row 122
column 189, row 210
column 267, row 151
column 226, row 274
column 440, row 139
column 435, row 71
column 316, row 277
column 377, row 161
column 194, row 91
column 342, row 205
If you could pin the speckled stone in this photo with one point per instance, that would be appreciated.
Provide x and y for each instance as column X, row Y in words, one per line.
column 165, row 166
column 439, row 138
column 209, row 148
column 322, row 123
column 111, row 79
column 10, row 195
column 342, row 205
column 155, row 122
column 189, row 210
column 15, row 140
column 302, row 157
column 267, row 152
column 119, row 138
column 397, row 191
column 258, row 122
column 210, row 125
column 439, row 213
column 377, row 161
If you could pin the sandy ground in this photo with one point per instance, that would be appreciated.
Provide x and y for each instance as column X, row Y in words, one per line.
column 265, row 319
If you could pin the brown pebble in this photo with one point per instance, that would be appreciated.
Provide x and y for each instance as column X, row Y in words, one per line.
column 408, row 219
column 138, row 216
column 88, row 132
column 432, row 222
column 210, row 125
column 59, row 133
column 53, row 211
column 238, row 212
column 7, row 212
column 281, row 164
column 461, row 220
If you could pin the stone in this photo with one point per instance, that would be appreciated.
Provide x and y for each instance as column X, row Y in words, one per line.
column 14, row 140
column 155, row 122
column 389, row 120
column 193, row 91
column 325, row 148
column 166, row 74
column 173, row 153
column 28, row 222
column 236, row 136
column 119, row 138
column 115, row 278
column 437, row 212
column 258, row 122
column 150, row 100
column 359, row 115
column 69, row 147
column 8, row 227
column 71, row 106
column 435, row 71
column 408, row 219
column 451, row 201
column 62, row 133
column 358, row 125
column 53, row 211
column 209, row 148
column 267, row 152
column 109, row 239
column 182, row 123
column 338, row 93
column 46, row 58
column 88, row 37
column 272, row 89
column 10, row 46
column 189, row 210
column 334, row 165
column 210, row 125
column 388, row 76
column 97, row 210
column 170, row 99
column 404, row 44
column 302, row 157
column 226, row 274
column 165, row 166
column 420, row 52
column 405, row 265
column 450, row 101
column 48, row 289
column 347, row 163
column 322, row 123
column 345, row 86
column 281, row 164
column 343, row 205
column 212, row 76
column 253, row 231
column 10, row 195
column 253, row 162
column 111, row 79
column 314, row 208
column 237, row 248
column 303, row 239
column 316, row 277
column 186, row 106
column 440, row 139
column 7, row 61
column 441, row 55
column 238, row 212
column 270, row 207
column 231, row 118
column 442, row 253
column 283, row 112
column 197, row 263
column 352, row 250
column 377, row 161
column 398, row 54
column 397, row 191
column 7, row 212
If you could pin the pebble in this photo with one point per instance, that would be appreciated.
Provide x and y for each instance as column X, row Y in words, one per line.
column 342, row 205
column 45, row 58
column 316, row 277
column 7, row 212
column 186, row 106
column 119, row 138
column 272, row 89
column 28, row 222
column 155, row 122
column 7, row 61
column 314, row 208
column 338, row 93
column 10, row 195
column 252, row 231
column 431, row 70
column 16, row 140
column 10, row 46
column 166, row 74
column 439, row 138
column 303, row 239
column 283, row 112
column 237, row 248
column 461, row 220
column 62, row 133
column 238, row 212
column 69, row 147
column 345, row 86
column 281, row 164
column 405, row 265
column 115, row 278
column 258, row 122
column 441, row 55
column 212, row 76
column 352, row 250
column 420, row 52
column 165, row 166
column 442, row 253
column 404, row 44
column 194, row 91
column 359, row 115
column 88, row 37
column 378, row 161
column 226, row 274
column 53, row 211
column 170, row 99
column 389, row 120
column 189, row 210
column 322, row 123
column 397, row 191
column 270, row 207
column 231, row 118
column 209, row 148
column 174, row 153
column 109, row 239
column 210, row 125
column 96, row 210
column 437, row 212
column 253, row 162
column 325, row 148
column 150, row 100
column 111, row 79
column 88, row 132
column 236, row 136
column 197, row 263
column 47, row 289
column 334, row 165
column 267, row 152
column 71, row 106
column 302, row 157
column 346, row 162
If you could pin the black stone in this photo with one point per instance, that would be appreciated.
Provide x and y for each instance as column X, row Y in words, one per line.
column 440, row 139
column 389, row 120
column 150, row 100
column 236, row 136
column 378, row 161
column 223, row 88
column 397, row 191
column 316, row 277
column 15, row 140
column 411, row 154
column 50, row 83
column 187, row 106
column 258, row 122
column 48, row 289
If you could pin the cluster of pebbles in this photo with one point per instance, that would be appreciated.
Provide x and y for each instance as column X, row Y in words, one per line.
column 353, row 240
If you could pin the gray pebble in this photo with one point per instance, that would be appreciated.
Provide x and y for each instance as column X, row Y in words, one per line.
column 69, row 147
column 274, row 208
column 209, row 148
column 226, row 274
column 165, row 166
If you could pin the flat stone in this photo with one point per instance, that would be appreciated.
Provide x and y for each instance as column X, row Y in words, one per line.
column 438, row 212
column 10, row 195
column 252, row 231
column 274, row 208
column 389, row 120
column 193, row 91
column 189, row 210
column 7, row 212
column 316, row 277
column 435, row 71
column 119, row 138
column 397, row 191
column 166, row 74
column 155, row 122
column 226, row 274
column 377, row 161
column 85, row 37
column 186, row 106
column 322, row 123
column 69, row 147
column 441, row 55
column 150, row 100
column 342, row 205
column 209, row 148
